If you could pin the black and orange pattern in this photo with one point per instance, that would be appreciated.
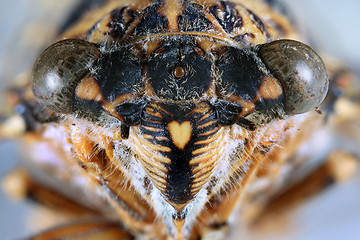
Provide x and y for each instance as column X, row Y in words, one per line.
column 172, row 110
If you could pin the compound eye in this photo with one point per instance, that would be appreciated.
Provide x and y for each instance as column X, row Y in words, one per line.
column 301, row 72
column 58, row 70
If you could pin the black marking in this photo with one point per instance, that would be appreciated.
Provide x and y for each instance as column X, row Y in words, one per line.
column 151, row 22
column 240, row 73
column 265, row 111
column 259, row 23
column 244, row 39
column 229, row 18
column 88, row 109
column 131, row 111
column 226, row 111
column 119, row 73
column 242, row 122
column 118, row 24
column 179, row 176
column 124, row 131
column 176, row 53
column 91, row 30
column 193, row 20
column 206, row 131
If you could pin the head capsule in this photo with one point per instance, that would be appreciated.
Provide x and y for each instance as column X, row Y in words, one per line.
column 269, row 81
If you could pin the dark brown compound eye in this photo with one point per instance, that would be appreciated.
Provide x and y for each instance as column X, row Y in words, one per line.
column 301, row 72
column 58, row 70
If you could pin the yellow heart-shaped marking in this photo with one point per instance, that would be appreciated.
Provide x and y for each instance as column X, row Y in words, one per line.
column 180, row 133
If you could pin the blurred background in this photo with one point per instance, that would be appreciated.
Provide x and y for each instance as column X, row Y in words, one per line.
column 27, row 26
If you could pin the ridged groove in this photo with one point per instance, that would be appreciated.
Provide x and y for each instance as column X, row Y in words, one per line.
column 179, row 171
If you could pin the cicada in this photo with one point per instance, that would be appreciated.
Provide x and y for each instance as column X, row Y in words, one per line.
column 177, row 119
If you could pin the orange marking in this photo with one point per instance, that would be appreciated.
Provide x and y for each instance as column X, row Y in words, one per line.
column 212, row 138
column 88, row 89
column 156, row 180
column 209, row 123
column 247, row 106
column 147, row 136
column 154, row 113
column 179, row 224
column 207, row 147
column 199, row 51
column 223, row 39
column 209, row 132
column 153, row 160
column 160, row 180
column 201, row 107
column 180, row 133
column 99, row 36
column 208, row 44
column 110, row 106
column 205, row 116
column 152, row 146
column 203, row 178
column 161, row 109
column 206, row 3
column 201, row 159
column 152, row 129
column 161, row 138
column 205, row 164
column 270, row 88
column 84, row 150
column 171, row 9
column 151, row 45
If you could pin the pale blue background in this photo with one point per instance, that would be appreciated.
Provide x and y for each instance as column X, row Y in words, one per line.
column 334, row 27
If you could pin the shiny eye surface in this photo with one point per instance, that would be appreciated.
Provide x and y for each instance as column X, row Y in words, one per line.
column 57, row 71
column 301, row 72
